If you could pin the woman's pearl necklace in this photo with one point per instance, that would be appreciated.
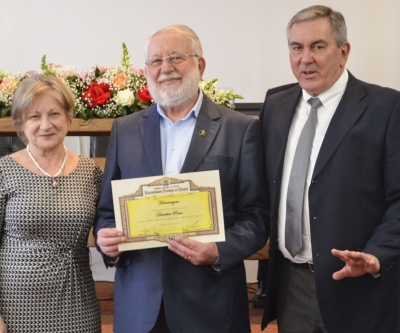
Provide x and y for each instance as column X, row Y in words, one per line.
column 53, row 180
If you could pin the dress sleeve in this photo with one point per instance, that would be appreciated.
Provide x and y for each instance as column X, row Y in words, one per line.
column 3, row 202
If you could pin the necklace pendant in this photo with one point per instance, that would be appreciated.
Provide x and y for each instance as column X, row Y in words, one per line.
column 54, row 183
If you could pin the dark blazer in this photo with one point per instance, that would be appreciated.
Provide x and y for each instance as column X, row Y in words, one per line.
column 280, row 88
column 354, row 200
column 196, row 298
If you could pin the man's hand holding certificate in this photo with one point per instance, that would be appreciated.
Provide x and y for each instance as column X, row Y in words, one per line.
column 197, row 253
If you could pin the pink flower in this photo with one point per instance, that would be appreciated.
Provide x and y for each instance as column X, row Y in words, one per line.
column 82, row 75
column 139, row 71
column 9, row 84
column 70, row 73
column 53, row 65
column 120, row 80
column 29, row 73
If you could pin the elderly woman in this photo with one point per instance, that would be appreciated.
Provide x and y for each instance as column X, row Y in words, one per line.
column 48, row 198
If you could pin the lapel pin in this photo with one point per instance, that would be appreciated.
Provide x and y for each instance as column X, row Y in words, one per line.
column 202, row 133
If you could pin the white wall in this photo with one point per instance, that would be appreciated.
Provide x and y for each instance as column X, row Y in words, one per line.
column 244, row 41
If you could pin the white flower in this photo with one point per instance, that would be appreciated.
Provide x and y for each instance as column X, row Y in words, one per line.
column 125, row 97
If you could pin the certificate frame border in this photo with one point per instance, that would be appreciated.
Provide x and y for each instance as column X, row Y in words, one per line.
column 166, row 181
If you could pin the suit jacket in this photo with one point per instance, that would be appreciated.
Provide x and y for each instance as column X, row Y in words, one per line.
column 280, row 88
column 196, row 298
column 354, row 201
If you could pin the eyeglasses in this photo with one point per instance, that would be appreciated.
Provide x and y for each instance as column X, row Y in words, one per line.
column 174, row 59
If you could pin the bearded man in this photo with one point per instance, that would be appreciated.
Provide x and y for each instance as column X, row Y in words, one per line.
column 189, row 286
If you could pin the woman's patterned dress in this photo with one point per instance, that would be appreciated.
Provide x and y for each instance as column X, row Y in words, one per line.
column 46, row 283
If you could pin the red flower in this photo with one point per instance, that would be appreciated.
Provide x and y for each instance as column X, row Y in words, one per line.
column 96, row 94
column 144, row 95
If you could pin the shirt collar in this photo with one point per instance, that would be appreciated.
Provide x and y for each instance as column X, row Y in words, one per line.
column 195, row 110
column 333, row 92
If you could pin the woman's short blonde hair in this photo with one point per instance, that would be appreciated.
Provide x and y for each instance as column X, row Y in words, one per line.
column 34, row 87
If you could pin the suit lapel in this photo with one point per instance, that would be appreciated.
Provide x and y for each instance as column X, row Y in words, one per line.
column 349, row 110
column 208, row 124
column 284, row 115
column 284, row 110
column 150, row 133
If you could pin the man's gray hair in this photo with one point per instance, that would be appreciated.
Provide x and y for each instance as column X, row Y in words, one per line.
column 339, row 29
column 183, row 30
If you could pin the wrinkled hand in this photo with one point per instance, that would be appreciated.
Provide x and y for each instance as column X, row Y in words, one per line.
column 108, row 240
column 196, row 252
column 357, row 264
column 3, row 328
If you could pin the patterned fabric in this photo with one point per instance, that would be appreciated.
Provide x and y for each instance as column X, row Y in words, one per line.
column 46, row 283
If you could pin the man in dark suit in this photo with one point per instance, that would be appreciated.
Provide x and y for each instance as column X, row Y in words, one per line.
column 262, row 272
column 333, row 175
column 190, row 286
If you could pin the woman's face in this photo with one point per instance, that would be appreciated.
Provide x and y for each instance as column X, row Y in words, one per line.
column 46, row 123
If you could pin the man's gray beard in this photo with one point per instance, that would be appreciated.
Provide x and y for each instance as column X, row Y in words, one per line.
column 177, row 94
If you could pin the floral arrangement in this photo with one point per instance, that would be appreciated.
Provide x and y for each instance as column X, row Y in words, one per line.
column 105, row 92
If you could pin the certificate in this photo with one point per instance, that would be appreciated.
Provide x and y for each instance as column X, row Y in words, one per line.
column 151, row 211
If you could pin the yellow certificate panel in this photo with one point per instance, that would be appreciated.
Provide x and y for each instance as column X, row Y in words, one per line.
column 169, row 214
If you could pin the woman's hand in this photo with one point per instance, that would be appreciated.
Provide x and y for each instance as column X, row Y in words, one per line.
column 3, row 328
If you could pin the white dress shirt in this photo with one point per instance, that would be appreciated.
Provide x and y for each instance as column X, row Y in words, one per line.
column 330, row 100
